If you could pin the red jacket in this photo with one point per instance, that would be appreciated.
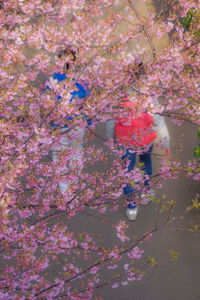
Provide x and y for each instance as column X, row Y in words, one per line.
column 134, row 131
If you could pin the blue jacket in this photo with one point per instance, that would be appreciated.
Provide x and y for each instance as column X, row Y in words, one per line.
column 80, row 93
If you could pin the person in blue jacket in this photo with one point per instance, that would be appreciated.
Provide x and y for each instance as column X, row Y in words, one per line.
column 70, row 138
column 79, row 93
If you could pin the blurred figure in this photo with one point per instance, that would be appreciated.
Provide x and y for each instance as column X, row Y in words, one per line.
column 132, row 133
column 69, row 138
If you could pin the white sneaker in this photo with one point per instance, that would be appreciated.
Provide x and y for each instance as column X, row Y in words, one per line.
column 131, row 213
column 147, row 197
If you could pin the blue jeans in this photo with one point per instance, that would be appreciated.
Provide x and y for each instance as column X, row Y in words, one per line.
column 145, row 158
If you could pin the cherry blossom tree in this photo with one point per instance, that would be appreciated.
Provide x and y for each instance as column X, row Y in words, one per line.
column 108, row 37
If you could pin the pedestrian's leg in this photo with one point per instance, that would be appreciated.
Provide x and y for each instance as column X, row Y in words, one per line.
column 75, row 165
column 76, row 144
column 61, row 145
column 145, row 158
column 128, row 190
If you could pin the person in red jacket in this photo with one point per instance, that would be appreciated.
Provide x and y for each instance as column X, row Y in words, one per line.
column 134, row 132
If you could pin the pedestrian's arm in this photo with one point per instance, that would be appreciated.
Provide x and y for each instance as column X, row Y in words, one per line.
column 163, row 132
